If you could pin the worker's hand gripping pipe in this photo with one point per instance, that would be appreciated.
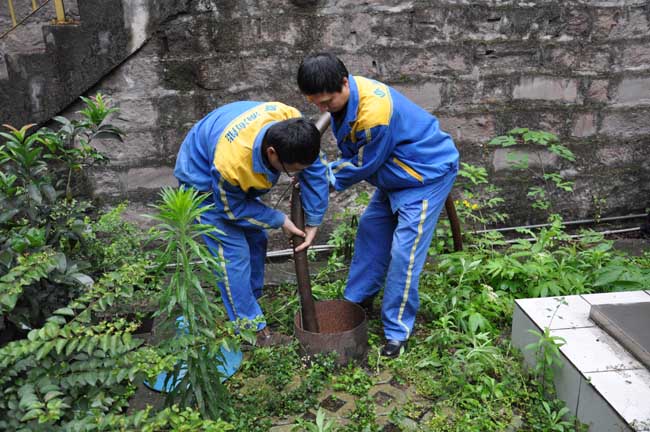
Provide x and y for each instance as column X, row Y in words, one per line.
column 309, row 318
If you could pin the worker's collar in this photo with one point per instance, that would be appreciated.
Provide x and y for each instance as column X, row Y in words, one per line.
column 342, row 129
column 260, row 161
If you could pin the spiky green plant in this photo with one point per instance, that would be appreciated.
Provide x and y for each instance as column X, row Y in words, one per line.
column 191, row 266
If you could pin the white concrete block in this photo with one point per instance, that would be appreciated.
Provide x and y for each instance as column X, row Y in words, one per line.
column 566, row 378
column 628, row 392
column 592, row 350
column 601, row 383
column 567, row 381
column 521, row 337
column 557, row 312
column 593, row 410
column 617, row 297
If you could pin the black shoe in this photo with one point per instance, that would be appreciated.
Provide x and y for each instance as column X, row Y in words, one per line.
column 393, row 348
column 367, row 305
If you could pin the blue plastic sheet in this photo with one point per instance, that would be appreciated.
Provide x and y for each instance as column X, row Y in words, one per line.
column 225, row 366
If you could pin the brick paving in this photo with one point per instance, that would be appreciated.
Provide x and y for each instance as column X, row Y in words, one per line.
column 388, row 396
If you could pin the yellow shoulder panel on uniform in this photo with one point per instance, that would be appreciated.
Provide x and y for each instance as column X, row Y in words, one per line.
column 375, row 104
column 233, row 157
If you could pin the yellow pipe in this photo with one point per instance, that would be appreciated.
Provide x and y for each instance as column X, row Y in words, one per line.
column 60, row 11
column 12, row 12
column 34, row 5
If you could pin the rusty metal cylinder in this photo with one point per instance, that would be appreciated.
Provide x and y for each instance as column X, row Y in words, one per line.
column 341, row 326
column 343, row 329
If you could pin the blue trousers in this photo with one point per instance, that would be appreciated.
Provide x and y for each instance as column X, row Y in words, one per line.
column 241, row 252
column 389, row 252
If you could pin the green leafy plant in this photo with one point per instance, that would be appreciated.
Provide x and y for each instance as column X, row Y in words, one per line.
column 74, row 367
column 320, row 424
column 192, row 266
column 110, row 241
column 353, row 380
column 170, row 419
column 541, row 143
column 478, row 207
column 555, row 418
column 342, row 238
column 71, row 144
column 364, row 417
column 547, row 353
column 36, row 218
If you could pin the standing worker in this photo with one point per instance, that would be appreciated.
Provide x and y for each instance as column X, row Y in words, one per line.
column 395, row 145
column 236, row 153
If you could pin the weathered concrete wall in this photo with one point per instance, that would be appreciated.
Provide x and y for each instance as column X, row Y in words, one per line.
column 44, row 67
column 577, row 68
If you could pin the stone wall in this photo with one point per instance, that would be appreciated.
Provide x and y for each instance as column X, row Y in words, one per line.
column 577, row 68
column 45, row 66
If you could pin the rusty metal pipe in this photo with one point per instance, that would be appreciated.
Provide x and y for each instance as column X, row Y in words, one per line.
column 309, row 319
column 454, row 222
column 323, row 123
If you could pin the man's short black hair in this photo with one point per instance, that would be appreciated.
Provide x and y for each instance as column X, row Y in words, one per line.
column 295, row 141
column 321, row 73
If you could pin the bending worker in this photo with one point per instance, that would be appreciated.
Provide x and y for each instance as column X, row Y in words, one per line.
column 237, row 153
column 395, row 145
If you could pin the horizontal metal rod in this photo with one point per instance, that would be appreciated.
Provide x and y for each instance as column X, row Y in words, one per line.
column 574, row 222
column 573, row 236
column 323, row 248
column 286, row 252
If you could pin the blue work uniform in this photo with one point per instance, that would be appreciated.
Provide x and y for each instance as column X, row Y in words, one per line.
column 222, row 154
column 395, row 145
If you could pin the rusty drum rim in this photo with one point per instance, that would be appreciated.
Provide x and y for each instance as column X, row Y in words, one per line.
column 364, row 320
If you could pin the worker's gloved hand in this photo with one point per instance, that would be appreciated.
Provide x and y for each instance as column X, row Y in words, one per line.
column 290, row 229
column 310, row 232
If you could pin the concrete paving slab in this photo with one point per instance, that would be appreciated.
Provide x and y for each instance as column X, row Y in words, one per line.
column 596, row 412
column 629, row 324
column 332, row 403
column 593, row 350
column 557, row 312
column 387, row 397
column 336, row 402
column 282, row 428
column 628, row 392
column 617, row 297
